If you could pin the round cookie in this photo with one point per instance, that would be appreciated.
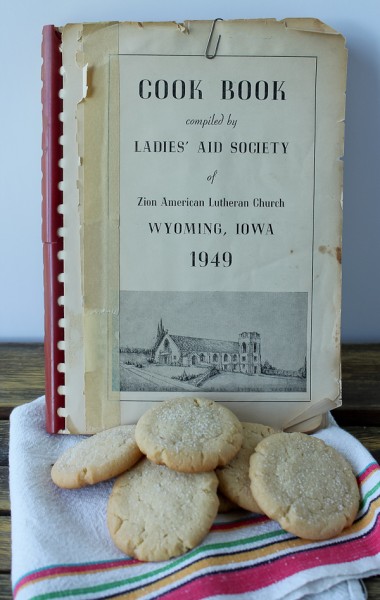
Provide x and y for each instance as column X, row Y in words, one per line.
column 234, row 481
column 304, row 484
column 155, row 513
column 97, row 458
column 190, row 435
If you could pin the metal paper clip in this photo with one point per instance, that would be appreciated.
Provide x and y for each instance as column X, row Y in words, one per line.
column 207, row 54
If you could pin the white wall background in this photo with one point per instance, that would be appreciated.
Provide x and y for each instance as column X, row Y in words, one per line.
column 21, row 287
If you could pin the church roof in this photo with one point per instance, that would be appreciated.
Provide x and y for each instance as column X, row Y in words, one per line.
column 193, row 344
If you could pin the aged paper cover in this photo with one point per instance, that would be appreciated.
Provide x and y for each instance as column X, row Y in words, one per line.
column 202, row 218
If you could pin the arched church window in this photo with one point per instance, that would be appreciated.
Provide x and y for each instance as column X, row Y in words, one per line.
column 215, row 358
column 244, row 347
column 202, row 358
column 225, row 358
column 166, row 344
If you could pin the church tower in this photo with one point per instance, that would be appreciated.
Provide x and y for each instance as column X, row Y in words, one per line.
column 160, row 334
column 250, row 352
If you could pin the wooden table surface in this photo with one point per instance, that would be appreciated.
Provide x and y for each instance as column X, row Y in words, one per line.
column 22, row 380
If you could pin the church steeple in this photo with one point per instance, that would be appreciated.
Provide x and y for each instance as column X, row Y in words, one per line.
column 160, row 329
column 160, row 333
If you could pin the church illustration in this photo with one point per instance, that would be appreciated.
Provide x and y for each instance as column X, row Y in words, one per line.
column 242, row 356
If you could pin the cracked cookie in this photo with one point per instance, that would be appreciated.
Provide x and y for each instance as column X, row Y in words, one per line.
column 304, row 484
column 97, row 458
column 155, row 513
column 234, row 480
column 189, row 435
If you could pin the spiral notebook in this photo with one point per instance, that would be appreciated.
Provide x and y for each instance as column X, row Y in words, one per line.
column 192, row 207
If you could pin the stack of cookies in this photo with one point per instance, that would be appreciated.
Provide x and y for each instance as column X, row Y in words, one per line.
column 183, row 455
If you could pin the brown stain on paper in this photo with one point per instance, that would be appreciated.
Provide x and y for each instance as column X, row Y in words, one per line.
column 334, row 252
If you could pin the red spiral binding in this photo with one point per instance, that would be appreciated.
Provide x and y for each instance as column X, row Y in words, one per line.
column 52, row 220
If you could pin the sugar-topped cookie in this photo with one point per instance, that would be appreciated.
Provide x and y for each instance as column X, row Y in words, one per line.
column 155, row 513
column 97, row 458
column 304, row 484
column 189, row 434
column 234, row 480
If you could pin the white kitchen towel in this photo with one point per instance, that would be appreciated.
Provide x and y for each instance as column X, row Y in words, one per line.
column 61, row 547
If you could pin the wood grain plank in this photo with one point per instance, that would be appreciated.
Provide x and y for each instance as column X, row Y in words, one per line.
column 5, row 506
column 4, row 442
column 5, row 543
column 5, row 587
column 4, row 469
column 360, row 385
column 22, row 375
column 373, row 587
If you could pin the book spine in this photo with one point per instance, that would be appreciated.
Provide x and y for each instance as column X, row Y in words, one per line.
column 52, row 223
